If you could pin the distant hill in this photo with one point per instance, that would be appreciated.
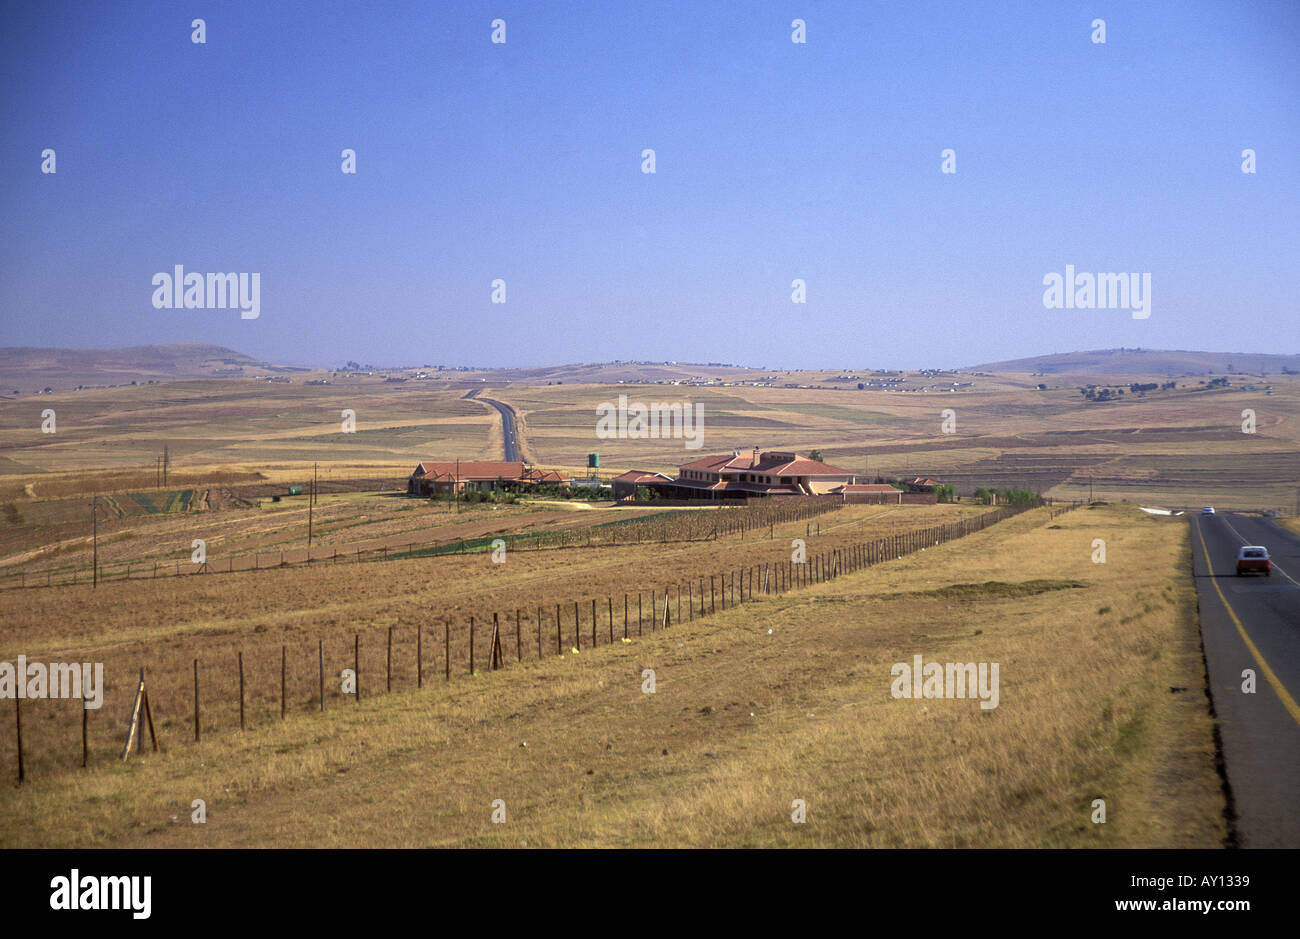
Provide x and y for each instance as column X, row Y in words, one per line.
column 1147, row 362
column 29, row 370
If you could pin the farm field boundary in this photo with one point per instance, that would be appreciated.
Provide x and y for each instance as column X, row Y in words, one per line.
column 490, row 643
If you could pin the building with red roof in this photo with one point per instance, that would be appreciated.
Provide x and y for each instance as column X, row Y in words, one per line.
column 443, row 476
column 743, row 475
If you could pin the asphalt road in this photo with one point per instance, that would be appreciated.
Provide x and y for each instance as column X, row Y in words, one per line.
column 508, row 434
column 1253, row 622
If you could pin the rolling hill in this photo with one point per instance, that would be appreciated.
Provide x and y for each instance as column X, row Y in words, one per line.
column 28, row 370
column 1142, row 362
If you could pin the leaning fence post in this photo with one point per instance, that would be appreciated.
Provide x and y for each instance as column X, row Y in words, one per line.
column 148, row 717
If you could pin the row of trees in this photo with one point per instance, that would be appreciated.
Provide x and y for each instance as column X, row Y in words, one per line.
column 1008, row 496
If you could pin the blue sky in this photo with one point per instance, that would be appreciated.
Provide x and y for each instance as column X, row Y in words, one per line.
column 774, row 160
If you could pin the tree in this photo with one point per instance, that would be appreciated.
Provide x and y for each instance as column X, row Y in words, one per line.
column 815, row 455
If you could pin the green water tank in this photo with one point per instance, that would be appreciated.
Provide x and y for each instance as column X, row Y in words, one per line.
column 593, row 461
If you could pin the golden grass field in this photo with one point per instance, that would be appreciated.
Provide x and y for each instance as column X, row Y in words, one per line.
column 744, row 720
column 163, row 624
column 1182, row 447
column 784, row 698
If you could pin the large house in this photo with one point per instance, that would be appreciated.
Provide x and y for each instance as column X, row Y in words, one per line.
column 741, row 475
column 445, row 476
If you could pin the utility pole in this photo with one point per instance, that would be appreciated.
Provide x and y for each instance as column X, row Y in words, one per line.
column 94, row 558
column 456, row 484
column 1089, row 487
column 165, row 461
column 311, row 501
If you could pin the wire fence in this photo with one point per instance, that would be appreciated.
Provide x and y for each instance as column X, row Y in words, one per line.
column 340, row 669
column 661, row 528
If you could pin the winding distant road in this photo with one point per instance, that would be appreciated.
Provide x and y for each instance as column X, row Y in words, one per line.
column 1253, row 623
column 509, row 436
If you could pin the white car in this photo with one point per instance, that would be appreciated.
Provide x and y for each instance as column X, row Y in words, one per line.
column 1254, row 559
column 1207, row 510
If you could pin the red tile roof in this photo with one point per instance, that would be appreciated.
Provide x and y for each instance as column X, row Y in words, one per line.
column 470, row 470
column 776, row 462
column 636, row 476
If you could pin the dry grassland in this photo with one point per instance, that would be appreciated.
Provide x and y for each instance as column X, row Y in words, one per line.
column 1179, row 447
column 162, row 625
column 782, row 699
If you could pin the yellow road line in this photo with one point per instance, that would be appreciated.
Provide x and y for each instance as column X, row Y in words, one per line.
column 1288, row 702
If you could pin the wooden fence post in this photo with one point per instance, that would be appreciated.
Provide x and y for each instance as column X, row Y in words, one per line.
column 241, row 690
column 148, row 716
column 356, row 664
column 471, row 645
column 320, row 653
column 284, row 665
column 494, row 651
column 559, row 640
column 18, row 717
column 519, row 648
column 419, row 655
column 196, row 700
column 610, row 601
column 446, row 650
column 389, row 677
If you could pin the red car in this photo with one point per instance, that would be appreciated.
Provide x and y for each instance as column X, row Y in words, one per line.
column 1253, row 559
